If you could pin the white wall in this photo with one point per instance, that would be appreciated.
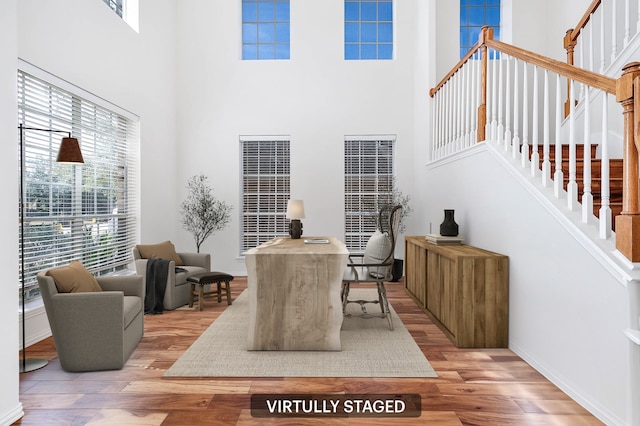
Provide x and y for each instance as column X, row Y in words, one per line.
column 567, row 312
column 316, row 97
column 97, row 51
column 10, row 407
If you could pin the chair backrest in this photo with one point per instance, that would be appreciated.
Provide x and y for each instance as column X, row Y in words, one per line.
column 389, row 220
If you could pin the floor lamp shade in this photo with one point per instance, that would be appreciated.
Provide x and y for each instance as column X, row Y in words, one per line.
column 69, row 152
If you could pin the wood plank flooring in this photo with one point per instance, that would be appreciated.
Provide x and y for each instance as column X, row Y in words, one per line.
column 474, row 386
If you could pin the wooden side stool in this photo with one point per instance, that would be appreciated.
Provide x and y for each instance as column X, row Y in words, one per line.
column 205, row 278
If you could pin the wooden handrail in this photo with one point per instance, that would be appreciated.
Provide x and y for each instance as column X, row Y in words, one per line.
column 455, row 69
column 573, row 33
column 568, row 71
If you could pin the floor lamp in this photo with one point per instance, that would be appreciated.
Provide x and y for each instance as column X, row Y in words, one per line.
column 69, row 152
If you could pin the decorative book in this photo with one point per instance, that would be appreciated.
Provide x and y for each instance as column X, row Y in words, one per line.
column 444, row 241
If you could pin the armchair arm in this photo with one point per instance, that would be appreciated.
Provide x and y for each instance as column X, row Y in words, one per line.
column 130, row 285
column 197, row 259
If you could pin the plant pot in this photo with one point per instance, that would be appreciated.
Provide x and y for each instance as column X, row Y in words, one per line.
column 397, row 270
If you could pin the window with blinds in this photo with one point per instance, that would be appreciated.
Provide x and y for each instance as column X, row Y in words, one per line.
column 88, row 212
column 368, row 185
column 265, row 190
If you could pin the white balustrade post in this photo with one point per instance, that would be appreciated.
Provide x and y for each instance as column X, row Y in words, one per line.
column 524, row 152
column 587, row 195
column 494, row 95
column 507, row 130
column 572, row 185
column 602, row 42
column 558, row 176
column 546, row 164
column 500, row 128
column 605, row 209
column 515, row 146
column 627, row 23
column 614, row 30
column 535, row 155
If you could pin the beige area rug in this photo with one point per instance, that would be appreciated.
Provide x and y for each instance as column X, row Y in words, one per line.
column 369, row 349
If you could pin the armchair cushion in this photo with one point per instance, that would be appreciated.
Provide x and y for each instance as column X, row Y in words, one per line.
column 74, row 278
column 164, row 250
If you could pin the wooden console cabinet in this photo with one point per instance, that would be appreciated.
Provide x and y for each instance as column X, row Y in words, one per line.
column 463, row 289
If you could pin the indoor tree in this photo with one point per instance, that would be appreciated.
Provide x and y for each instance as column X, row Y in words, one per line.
column 202, row 213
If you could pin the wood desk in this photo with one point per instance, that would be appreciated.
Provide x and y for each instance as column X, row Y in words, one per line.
column 294, row 294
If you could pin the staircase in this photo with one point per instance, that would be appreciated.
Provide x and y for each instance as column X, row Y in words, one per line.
column 615, row 176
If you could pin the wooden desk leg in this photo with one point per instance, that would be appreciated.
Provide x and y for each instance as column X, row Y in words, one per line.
column 228, row 287
column 193, row 289
column 201, row 297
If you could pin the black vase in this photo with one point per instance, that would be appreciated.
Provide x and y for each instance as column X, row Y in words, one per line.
column 449, row 227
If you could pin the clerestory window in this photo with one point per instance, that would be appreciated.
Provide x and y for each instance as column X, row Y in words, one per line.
column 474, row 14
column 368, row 29
column 265, row 29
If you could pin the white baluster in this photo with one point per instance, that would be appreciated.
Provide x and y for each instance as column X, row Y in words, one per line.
column 515, row 146
column 494, row 96
column 524, row 151
column 602, row 41
column 605, row 209
column 500, row 128
column 587, row 195
column 457, row 107
column 507, row 130
column 582, row 86
column 592, row 52
column 614, row 30
column 558, row 176
column 546, row 164
column 572, row 185
column 627, row 23
column 535, row 155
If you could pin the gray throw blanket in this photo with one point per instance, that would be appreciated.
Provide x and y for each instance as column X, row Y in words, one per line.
column 155, row 285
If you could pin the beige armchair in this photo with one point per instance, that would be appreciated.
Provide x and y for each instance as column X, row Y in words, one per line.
column 96, row 329
column 177, row 289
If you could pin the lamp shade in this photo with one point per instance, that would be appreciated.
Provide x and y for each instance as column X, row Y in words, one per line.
column 295, row 209
column 69, row 151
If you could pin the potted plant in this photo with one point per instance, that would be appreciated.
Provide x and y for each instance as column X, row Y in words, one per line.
column 202, row 213
column 394, row 197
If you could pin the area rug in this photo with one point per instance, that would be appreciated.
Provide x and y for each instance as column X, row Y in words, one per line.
column 369, row 349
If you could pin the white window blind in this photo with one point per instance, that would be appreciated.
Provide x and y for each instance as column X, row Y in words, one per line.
column 368, row 185
column 86, row 213
column 265, row 190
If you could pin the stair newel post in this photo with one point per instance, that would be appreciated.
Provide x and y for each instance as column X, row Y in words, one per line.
column 628, row 222
column 485, row 34
column 569, row 45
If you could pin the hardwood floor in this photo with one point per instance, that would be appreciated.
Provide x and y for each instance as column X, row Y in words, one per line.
column 474, row 386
